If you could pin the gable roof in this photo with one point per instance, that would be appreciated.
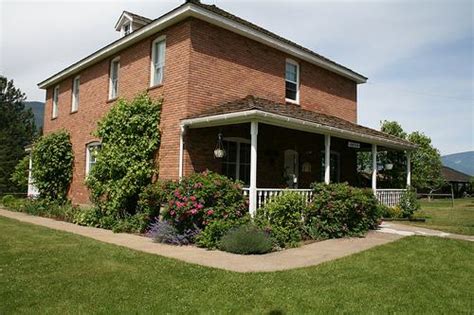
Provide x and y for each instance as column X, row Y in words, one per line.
column 215, row 16
column 133, row 17
column 251, row 106
column 452, row 175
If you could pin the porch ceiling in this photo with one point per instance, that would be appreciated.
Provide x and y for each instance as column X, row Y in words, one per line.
column 293, row 117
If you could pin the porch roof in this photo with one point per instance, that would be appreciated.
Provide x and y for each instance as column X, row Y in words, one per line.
column 293, row 117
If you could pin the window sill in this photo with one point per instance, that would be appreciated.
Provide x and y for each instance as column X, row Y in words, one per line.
column 154, row 87
column 290, row 101
column 73, row 112
column 54, row 118
column 111, row 100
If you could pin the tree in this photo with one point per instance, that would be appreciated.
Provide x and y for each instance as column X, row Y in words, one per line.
column 396, row 177
column 17, row 129
column 426, row 164
column 425, row 161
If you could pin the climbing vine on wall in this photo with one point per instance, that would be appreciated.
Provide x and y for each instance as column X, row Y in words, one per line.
column 130, row 137
column 52, row 158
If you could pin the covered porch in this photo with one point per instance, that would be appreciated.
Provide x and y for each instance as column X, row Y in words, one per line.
column 275, row 147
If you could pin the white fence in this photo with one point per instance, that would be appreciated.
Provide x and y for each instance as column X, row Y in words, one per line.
column 388, row 197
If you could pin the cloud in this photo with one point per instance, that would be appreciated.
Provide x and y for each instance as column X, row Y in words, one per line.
column 417, row 54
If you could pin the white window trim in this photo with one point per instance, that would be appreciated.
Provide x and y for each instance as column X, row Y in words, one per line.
column 116, row 59
column 152, row 64
column 289, row 100
column 88, row 154
column 55, row 108
column 75, row 100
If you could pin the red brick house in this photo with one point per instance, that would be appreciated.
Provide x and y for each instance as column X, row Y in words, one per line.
column 224, row 78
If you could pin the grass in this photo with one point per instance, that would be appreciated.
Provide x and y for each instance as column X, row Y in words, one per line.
column 47, row 271
column 442, row 216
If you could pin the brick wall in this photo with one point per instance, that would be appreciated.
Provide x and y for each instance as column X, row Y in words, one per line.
column 134, row 76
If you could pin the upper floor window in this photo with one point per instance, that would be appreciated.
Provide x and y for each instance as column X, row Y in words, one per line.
column 292, row 81
column 55, row 101
column 114, row 77
column 91, row 155
column 75, row 94
column 158, row 61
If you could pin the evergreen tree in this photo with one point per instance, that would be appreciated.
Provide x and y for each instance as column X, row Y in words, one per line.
column 17, row 129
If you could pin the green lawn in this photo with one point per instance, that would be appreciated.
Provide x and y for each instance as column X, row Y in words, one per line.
column 47, row 271
column 442, row 216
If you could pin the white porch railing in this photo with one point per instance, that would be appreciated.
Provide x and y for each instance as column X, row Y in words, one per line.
column 390, row 197
column 264, row 195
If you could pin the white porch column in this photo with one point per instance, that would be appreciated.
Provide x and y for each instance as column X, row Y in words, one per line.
column 181, row 150
column 327, row 159
column 253, row 168
column 374, row 168
column 408, row 168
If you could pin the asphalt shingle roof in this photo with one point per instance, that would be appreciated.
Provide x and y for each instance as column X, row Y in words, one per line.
column 295, row 111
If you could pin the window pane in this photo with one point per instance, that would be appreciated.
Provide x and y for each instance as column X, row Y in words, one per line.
column 291, row 90
column 291, row 72
column 244, row 175
column 158, row 62
column 244, row 153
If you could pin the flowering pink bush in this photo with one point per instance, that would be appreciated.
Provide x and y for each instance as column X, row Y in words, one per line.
column 202, row 198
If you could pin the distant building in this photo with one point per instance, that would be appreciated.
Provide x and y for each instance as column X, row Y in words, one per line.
column 460, row 182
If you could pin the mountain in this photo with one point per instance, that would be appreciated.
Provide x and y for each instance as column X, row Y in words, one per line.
column 462, row 162
column 38, row 112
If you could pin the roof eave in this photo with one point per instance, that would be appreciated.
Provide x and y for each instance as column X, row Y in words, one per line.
column 291, row 123
column 187, row 10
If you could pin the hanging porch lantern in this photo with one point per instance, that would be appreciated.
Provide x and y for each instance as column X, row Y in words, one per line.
column 219, row 151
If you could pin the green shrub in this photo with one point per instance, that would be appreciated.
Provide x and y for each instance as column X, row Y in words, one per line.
column 20, row 173
column 391, row 212
column 282, row 217
column 409, row 203
column 214, row 231
column 56, row 209
column 246, row 239
column 8, row 200
column 339, row 210
column 155, row 196
column 52, row 158
column 202, row 198
column 125, row 165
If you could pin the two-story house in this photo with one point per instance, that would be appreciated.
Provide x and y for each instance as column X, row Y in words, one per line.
column 238, row 100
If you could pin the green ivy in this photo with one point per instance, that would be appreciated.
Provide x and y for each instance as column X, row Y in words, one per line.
column 53, row 158
column 20, row 173
column 125, row 165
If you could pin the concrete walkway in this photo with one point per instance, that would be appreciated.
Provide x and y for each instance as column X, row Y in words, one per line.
column 408, row 230
column 307, row 255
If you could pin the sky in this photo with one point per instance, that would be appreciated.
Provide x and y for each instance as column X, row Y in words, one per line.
column 418, row 55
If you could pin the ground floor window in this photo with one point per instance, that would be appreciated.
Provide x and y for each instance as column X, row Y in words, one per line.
column 91, row 154
column 236, row 163
column 334, row 165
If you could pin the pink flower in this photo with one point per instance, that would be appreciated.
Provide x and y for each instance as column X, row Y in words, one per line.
column 176, row 193
column 210, row 212
column 198, row 185
column 200, row 206
column 194, row 211
column 172, row 213
column 192, row 198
